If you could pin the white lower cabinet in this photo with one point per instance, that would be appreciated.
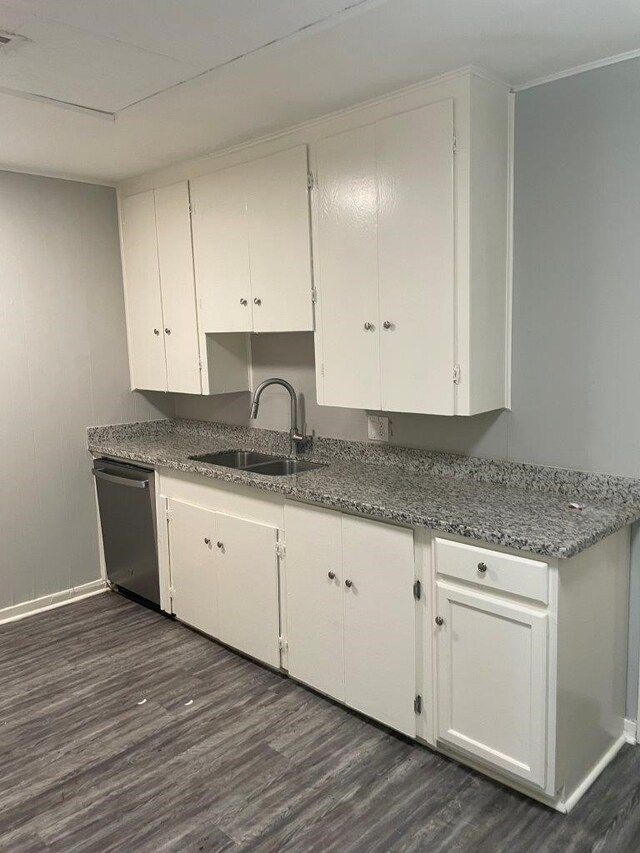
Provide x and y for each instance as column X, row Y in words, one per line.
column 224, row 578
column 499, row 646
column 315, row 611
column 194, row 579
column 351, row 611
column 492, row 680
column 249, row 614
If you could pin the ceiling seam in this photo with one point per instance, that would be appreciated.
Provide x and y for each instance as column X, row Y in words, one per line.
column 58, row 102
column 349, row 7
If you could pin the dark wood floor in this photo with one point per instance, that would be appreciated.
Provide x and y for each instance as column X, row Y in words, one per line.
column 256, row 762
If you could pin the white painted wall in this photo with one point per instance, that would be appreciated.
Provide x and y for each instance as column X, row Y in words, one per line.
column 63, row 357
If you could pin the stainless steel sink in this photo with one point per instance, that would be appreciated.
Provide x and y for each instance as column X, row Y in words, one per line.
column 282, row 467
column 258, row 463
column 235, row 458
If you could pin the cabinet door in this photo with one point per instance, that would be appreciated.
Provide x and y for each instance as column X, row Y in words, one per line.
column 346, row 267
column 314, row 598
column 192, row 543
column 175, row 256
column 414, row 154
column 248, row 587
column 142, row 293
column 279, row 242
column 492, row 680
column 379, row 621
column 221, row 251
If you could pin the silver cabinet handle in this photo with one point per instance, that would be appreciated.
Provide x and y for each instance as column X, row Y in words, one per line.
column 482, row 568
column 257, row 301
column 368, row 327
column 220, row 544
column 331, row 575
column 439, row 620
column 348, row 583
column 243, row 301
column 121, row 481
column 167, row 331
column 387, row 324
column 156, row 331
column 207, row 541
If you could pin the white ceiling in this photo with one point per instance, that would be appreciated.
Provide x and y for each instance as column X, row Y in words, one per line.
column 172, row 80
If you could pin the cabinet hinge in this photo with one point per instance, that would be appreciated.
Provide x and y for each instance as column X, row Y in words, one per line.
column 314, row 294
column 311, row 181
column 454, row 144
column 417, row 705
column 456, row 374
column 417, row 590
column 168, row 514
column 172, row 591
column 280, row 549
column 283, row 643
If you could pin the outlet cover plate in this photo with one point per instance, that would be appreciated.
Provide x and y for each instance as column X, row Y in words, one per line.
column 378, row 428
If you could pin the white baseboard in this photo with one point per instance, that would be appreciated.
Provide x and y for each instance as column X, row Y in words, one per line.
column 49, row 602
column 631, row 731
column 595, row 771
column 559, row 803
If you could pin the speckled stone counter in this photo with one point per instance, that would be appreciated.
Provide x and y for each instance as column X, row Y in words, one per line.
column 511, row 504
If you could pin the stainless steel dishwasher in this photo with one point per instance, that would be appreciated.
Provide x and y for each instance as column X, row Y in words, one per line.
column 126, row 497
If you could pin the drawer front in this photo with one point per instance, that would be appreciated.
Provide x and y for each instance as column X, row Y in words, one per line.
column 503, row 572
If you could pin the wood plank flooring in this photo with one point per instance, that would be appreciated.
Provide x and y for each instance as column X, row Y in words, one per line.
column 255, row 762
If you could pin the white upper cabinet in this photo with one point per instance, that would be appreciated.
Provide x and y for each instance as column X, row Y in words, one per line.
column 251, row 242
column 414, row 158
column 279, row 242
column 410, row 255
column 347, row 271
column 221, row 251
column 159, row 290
column 175, row 259
column 145, row 323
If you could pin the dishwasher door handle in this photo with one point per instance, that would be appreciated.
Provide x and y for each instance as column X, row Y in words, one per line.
column 121, row 481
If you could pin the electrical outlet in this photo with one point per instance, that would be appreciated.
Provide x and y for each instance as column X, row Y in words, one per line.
column 378, row 428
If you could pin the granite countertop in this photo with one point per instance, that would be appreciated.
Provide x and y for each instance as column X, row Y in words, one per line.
column 504, row 503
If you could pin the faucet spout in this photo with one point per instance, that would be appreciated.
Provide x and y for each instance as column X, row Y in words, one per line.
column 295, row 433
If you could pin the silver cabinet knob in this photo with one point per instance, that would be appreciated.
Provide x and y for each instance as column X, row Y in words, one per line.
column 207, row 541
column 348, row 583
column 156, row 331
column 220, row 544
column 167, row 331
column 368, row 327
column 257, row 301
column 482, row 568
column 387, row 324
column 439, row 620
column 243, row 301
column 331, row 576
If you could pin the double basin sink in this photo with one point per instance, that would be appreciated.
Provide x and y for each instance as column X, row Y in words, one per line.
column 256, row 463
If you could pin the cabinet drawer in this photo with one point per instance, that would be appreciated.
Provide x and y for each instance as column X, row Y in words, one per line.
column 504, row 572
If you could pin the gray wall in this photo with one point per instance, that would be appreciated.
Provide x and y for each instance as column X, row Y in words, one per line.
column 63, row 358
column 576, row 304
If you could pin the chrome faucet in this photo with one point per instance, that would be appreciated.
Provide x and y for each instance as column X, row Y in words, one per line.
column 295, row 434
